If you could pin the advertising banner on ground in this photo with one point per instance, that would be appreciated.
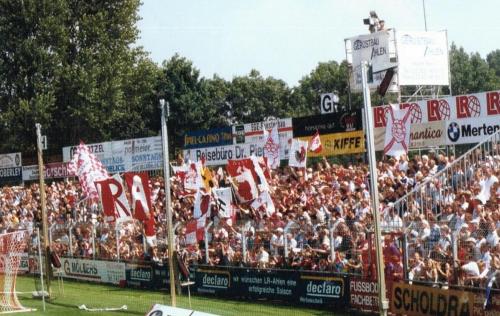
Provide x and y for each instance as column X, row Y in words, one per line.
column 415, row 300
column 52, row 171
column 208, row 138
column 363, row 295
column 423, row 58
column 140, row 275
column 289, row 286
column 339, row 122
column 11, row 168
column 93, row 270
column 139, row 154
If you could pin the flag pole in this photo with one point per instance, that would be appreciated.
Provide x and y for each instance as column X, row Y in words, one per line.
column 166, row 174
column 43, row 206
column 370, row 147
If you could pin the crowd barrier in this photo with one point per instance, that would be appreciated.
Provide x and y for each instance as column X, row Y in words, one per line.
column 308, row 288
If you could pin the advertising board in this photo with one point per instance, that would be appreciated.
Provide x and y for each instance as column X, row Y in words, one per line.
column 415, row 300
column 339, row 122
column 93, row 270
column 208, row 138
column 221, row 154
column 423, row 58
column 11, row 168
column 139, row 154
column 52, row 171
column 339, row 144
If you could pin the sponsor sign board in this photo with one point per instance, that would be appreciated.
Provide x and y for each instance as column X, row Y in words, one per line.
column 376, row 48
column 423, row 58
column 363, row 295
column 139, row 275
column 208, row 138
column 221, row 154
column 339, row 144
column 139, row 154
column 415, row 300
column 93, row 270
column 253, row 133
column 328, row 103
column 321, row 290
column 51, row 171
column 468, row 131
column 11, row 168
column 290, row 286
column 431, row 119
column 327, row 123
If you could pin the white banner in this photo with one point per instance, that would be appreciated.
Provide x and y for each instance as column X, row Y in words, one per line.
column 468, row 131
column 253, row 133
column 140, row 154
column 52, row 171
column 372, row 48
column 93, row 270
column 10, row 160
column 219, row 155
column 423, row 58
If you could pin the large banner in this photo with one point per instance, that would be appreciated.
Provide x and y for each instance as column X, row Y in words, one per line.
column 221, row 154
column 11, row 168
column 346, row 121
column 423, row 58
column 449, row 120
column 289, row 286
column 415, row 300
column 253, row 133
column 54, row 170
column 208, row 138
column 139, row 154
column 93, row 270
column 339, row 144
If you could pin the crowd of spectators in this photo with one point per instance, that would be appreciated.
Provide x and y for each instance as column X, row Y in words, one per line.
column 323, row 221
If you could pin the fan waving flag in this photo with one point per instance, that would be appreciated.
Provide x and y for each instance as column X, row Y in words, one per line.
column 88, row 169
column 298, row 153
column 272, row 148
column 113, row 198
column 244, row 178
column 315, row 144
column 264, row 201
column 397, row 132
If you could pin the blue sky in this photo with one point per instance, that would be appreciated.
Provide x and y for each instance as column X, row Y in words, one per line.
column 287, row 39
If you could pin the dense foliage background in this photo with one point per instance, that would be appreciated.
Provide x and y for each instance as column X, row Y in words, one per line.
column 74, row 67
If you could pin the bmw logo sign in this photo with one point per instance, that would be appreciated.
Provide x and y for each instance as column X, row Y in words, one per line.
column 453, row 131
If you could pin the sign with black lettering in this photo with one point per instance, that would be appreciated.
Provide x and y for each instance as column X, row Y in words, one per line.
column 415, row 300
column 329, row 103
column 346, row 121
column 11, row 168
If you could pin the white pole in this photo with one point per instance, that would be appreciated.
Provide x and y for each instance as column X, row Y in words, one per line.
column 40, row 265
column 166, row 174
column 93, row 241
column 370, row 147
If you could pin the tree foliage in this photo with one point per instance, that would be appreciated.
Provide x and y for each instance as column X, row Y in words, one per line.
column 74, row 67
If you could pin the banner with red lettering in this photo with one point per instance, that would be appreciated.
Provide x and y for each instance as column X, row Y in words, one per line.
column 432, row 120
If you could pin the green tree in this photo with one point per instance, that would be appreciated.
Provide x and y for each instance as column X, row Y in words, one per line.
column 493, row 59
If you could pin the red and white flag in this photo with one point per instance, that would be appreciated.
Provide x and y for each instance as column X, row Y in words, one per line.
column 315, row 144
column 224, row 198
column 244, row 178
column 138, row 184
column 397, row 131
column 195, row 230
column 272, row 148
column 201, row 204
column 264, row 201
column 193, row 179
column 88, row 169
column 113, row 198
column 298, row 153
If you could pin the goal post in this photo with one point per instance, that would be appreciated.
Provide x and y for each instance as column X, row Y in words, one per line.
column 13, row 246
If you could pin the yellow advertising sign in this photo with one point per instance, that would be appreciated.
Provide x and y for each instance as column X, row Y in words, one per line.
column 339, row 144
column 415, row 300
